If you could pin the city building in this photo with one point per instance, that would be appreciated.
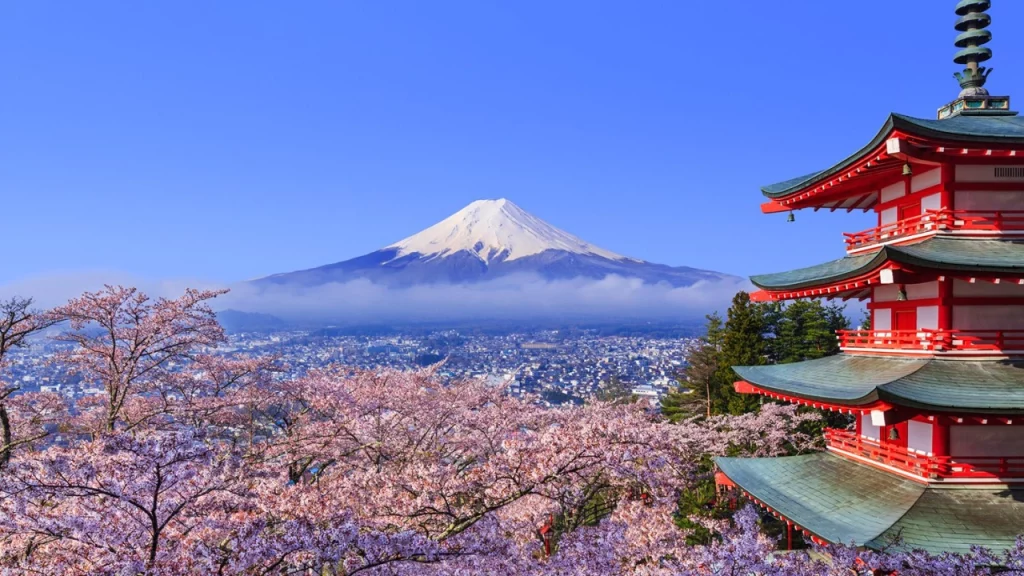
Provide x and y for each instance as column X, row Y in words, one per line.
column 936, row 385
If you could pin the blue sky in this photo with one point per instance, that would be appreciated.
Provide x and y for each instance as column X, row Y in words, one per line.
column 229, row 140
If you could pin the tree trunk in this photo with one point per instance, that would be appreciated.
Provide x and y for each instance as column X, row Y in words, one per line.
column 7, row 438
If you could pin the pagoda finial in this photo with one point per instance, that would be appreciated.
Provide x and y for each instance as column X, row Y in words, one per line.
column 974, row 99
column 973, row 36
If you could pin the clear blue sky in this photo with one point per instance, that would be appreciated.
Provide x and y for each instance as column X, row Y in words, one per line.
column 228, row 140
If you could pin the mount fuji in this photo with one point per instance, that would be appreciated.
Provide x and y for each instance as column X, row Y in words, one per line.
column 486, row 240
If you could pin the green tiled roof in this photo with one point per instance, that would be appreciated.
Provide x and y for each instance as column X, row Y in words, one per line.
column 833, row 498
column 953, row 519
column 847, row 267
column 842, row 501
column 994, row 386
column 981, row 129
column 943, row 252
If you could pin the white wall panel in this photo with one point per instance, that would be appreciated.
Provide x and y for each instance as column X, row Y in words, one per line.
column 981, row 200
column 923, row 290
column 986, row 440
column 966, row 289
column 882, row 319
column 889, row 216
column 867, row 429
column 928, row 317
column 988, row 317
column 919, row 436
column 931, row 202
column 893, row 191
column 924, row 180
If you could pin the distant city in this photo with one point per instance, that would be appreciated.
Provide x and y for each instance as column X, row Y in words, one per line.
column 558, row 366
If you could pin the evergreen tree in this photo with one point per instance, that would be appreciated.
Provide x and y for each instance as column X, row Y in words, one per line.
column 743, row 344
column 698, row 384
column 865, row 321
column 807, row 330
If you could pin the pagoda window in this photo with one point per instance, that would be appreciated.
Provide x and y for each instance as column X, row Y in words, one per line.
column 919, row 437
column 989, row 173
column 969, row 441
column 868, row 429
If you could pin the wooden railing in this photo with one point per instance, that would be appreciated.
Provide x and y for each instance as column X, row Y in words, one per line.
column 978, row 342
column 935, row 220
column 931, row 467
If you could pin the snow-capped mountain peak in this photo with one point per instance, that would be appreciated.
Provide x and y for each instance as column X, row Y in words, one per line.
column 494, row 230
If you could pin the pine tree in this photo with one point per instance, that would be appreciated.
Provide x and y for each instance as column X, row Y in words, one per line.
column 697, row 386
column 865, row 321
column 743, row 344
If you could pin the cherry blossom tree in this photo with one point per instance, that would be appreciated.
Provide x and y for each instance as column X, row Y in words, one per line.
column 198, row 462
column 129, row 343
column 18, row 322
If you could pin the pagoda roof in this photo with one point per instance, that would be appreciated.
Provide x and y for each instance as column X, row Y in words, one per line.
column 845, row 502
column 974, row 387
column 942, row 253
column 966, row 129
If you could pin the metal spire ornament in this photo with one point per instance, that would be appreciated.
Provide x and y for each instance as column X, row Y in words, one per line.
column 974, row 100
column 972, row 23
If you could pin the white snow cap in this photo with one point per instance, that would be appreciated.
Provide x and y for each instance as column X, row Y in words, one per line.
column 489, row 227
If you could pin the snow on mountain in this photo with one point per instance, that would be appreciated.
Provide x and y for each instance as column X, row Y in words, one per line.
column 495, row 230
column 486, row 240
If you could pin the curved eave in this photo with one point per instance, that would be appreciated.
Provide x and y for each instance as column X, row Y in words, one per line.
column 990, row 130
column 822, row 274
column 833, row 499
column 995, row 257
column 847, row 381
column 841, row 501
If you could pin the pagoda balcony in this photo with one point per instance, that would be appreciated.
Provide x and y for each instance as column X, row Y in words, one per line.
column 930, row 468
column 934, row 342
column 967, row 222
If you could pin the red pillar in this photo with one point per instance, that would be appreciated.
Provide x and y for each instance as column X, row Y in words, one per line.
column 789, row 535
column 946, row 304
column 948, row 176
column 940, row 437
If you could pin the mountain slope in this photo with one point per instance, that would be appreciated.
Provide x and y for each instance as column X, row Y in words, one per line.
column 488, row 239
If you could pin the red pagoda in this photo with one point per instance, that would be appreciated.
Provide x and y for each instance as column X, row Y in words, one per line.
column 936, row 385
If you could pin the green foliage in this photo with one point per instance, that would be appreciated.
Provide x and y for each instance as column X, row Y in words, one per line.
column 744, row 343
column 702, row 501
column 806, row 330
column 752, row 334
column 699, row 383
column 865, row 320
column 682, row 402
